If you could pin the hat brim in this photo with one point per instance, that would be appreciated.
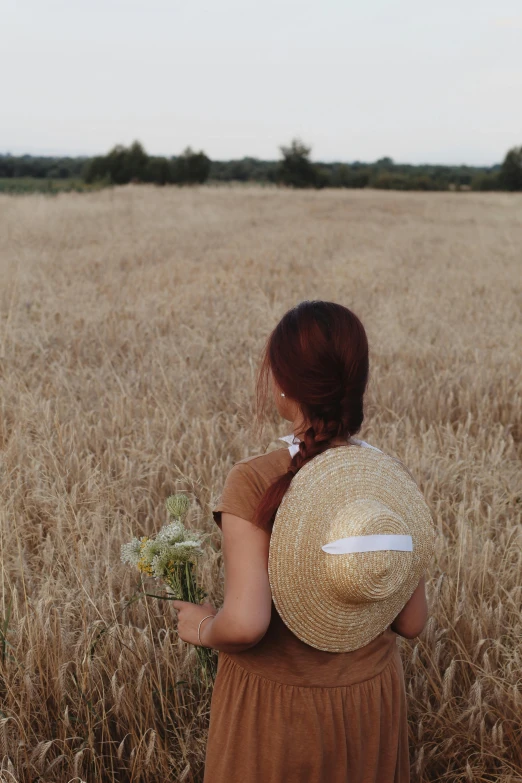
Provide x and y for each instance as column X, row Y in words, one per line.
column 301, row 592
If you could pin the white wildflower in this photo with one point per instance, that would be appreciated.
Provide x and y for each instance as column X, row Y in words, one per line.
column 176, row 531
column 130, row 553
column 164, row 562
column 149, row 548
column 171, row 555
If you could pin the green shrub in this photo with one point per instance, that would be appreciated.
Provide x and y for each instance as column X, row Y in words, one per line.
column 511, row 170
column 296, row 169
column 487, row 181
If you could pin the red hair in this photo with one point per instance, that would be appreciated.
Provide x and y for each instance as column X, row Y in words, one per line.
column 318, row 356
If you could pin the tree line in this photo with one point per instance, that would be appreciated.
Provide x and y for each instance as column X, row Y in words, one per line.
column 295, row 168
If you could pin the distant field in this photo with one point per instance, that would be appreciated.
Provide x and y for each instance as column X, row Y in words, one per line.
column 131, row 321
column 35, row 185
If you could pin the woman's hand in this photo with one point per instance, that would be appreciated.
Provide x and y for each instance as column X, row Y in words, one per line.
column 245, row 615
column 189, row 617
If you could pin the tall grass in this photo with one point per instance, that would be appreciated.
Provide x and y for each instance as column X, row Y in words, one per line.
column 131, row 324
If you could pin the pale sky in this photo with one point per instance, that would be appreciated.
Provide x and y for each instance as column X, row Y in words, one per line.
column 437, row 82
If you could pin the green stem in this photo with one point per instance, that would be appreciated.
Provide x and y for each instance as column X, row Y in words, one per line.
column 182, row 581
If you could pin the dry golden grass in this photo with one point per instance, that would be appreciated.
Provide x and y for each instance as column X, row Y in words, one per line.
column 131, row 325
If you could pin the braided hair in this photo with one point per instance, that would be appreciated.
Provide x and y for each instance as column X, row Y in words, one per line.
column 318, row 356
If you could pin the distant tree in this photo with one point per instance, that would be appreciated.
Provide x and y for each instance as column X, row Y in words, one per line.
column 122, row 165
column 137, row 160
column 385, row 163
column 487, row 181
column 323, row 176
column 158, row 170
column 191, row 167
column 354, row 176
column 511, row 170
column 296, row 169
column 423, row 182
column 240, row 170
column 126, row 164
column 95, row 169
column 390, row 181
column 119, row 166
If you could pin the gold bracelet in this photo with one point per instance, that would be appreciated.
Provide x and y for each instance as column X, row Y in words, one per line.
column 199, row 626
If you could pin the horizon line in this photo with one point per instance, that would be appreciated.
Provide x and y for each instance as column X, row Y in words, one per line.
column 250, row 157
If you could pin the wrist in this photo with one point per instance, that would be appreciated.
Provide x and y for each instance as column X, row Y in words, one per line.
column 203, row 631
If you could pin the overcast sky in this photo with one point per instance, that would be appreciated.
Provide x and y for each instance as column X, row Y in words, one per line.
column 436, row 82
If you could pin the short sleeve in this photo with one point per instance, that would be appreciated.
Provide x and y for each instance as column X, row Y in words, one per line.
column 242, row 491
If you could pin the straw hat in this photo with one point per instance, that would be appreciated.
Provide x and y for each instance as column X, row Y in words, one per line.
column 350, row 542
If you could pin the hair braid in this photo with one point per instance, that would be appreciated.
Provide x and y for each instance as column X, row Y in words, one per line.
column 316, row 439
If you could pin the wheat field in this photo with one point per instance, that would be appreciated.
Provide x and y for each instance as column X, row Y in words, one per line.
column 132, row 320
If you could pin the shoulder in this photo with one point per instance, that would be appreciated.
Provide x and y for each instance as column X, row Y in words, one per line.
column 259, row 461
column 247, row 481
column 264, row 464
column 259, row 470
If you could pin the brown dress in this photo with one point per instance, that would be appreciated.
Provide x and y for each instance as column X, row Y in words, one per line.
column 285, row 712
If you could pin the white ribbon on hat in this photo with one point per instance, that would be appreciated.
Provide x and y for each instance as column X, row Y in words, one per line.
column 375, row 543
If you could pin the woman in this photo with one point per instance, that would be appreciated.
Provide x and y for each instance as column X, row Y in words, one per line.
column 281, row 709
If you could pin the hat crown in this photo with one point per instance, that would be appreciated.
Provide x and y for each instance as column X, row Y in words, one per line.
column 364, row 577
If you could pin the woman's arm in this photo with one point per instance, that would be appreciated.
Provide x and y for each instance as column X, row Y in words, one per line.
column 245, row 616
column 412, row 618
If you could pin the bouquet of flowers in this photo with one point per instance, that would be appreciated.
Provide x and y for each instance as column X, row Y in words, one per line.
column 171, row 557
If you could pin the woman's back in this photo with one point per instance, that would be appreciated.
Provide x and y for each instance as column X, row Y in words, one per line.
column 283, row 710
